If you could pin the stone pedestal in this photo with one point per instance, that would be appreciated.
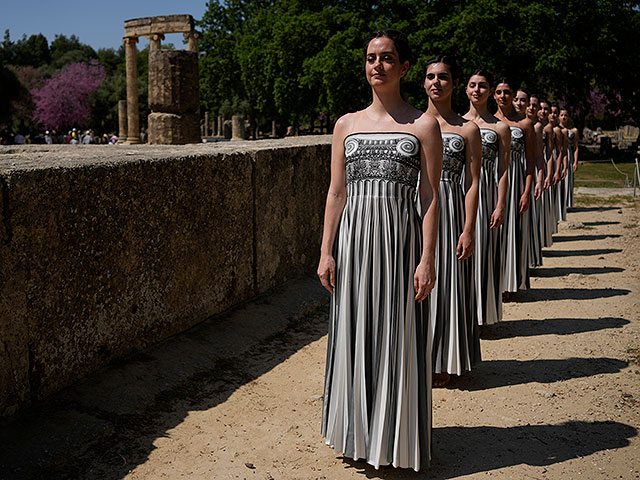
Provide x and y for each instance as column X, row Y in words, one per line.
column 173, row 129
column 237, row 128
column 174, row 97
column 122, row 120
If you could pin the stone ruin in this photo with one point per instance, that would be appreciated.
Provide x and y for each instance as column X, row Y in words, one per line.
column 174, row 90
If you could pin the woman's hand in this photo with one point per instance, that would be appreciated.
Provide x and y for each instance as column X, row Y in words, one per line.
column 556, row 178
column 424, row 280
column 538, row 190
column 497, row 218
column 547, row 183
column 524, row 203
column 465, row 246
column 327, row 272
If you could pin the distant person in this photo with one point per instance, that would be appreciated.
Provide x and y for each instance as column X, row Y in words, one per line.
column 74, row 139
column 47, row 138
column 18, row 139
column 88, row 138
column 143, row 135
column 113, row 139
column 290, row 131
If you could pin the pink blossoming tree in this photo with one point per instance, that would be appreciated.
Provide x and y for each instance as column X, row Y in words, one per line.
column 64, row 99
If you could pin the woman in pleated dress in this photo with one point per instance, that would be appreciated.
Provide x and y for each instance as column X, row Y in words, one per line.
column 378, row 261
column 531, row 111
column 455, row 335
column 492, row 194
column 515, row 232
column 549, row 223
column 572, row 155
column 560, row 156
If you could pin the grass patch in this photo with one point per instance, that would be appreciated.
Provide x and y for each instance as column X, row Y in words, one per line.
column 603, row 174
column 630, row 225
column 633, row 355
column 581, row 200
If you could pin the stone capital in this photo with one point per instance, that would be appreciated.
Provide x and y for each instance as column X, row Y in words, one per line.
column 130, row 40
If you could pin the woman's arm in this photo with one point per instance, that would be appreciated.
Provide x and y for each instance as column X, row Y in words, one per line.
column 428, row 131
column 530, row 161
column 558, row 142
column 539, row 188
column 473, row 160
column 549, row 149
column 504, row 154
column 336, row 199
column 565, row 150
column 575, row 149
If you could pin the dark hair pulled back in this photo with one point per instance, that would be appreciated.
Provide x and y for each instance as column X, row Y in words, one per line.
column 399, row 40
column 509, row 81
column 481, row 72
column 451, row 61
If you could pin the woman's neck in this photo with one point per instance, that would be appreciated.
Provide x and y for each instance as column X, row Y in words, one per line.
column 478, row 110
column 442, row 109
column 507, row 112
column 387, row 103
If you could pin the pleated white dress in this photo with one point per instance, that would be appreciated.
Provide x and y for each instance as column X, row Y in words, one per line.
column 456, row 341
column 535, row 227
column 515, row 232
column 377, row 394
column 547, row 219
column 561, row 192
column 487, row 255
column 568, row 180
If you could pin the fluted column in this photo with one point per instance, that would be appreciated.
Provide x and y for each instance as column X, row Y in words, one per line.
column 133, row 116
column 122, row 120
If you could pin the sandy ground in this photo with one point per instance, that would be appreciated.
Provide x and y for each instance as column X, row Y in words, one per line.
column 557, row 395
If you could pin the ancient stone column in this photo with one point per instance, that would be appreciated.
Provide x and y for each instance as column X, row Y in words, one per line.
column 192, row 41
column 155, row 41
column 174, row 97
column 122, row 120
column 220, row 122
column 274, row 134
column 237, row 127
column 206, row 124
column 133, row 120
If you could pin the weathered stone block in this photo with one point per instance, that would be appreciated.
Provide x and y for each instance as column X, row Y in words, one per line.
column 172, row 129
column 173, row 81
column 291, row 190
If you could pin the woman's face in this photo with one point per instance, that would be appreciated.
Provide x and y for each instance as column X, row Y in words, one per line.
column 553, row 115
column 438, row 81
column 521, row 102
column 564, row 117
column 533, row 108
column 383, row 66
column 503, row 95
column 543, row 114
column 478, row 89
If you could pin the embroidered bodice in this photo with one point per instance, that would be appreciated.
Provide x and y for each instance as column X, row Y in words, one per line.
column 382, row 156
column 517, row 141
column 453, row 156
column 489, row 147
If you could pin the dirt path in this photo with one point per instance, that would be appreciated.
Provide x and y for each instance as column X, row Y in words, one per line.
column 556, row 397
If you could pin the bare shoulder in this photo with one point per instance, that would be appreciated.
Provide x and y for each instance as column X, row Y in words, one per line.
column 344, row 125
column 426, row 126
column 526, row 123
column 470, row 130
column 537, row 127
column 503, row 129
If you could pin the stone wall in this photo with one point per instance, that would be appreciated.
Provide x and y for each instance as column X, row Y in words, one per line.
column 105, row 250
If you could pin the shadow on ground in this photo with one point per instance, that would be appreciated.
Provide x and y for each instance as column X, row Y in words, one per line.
column 550, row 326
column 594, row 209
column 459, row 451
column 599, row 223
column 539, row 294
column 579, row 253
column 575, row 238
column 548, row 272
column 105, row 426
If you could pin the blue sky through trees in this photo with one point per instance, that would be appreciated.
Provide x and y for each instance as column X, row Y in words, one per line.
column 99, row 24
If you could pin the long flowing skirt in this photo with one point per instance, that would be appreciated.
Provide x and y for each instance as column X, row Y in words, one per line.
column 568, row 192
column 548, row 218
column 377, row 394
column 456, row 342
column 515, row 231
column 535, row 228
column 487, row 259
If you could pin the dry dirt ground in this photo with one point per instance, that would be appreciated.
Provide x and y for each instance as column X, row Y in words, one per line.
column 557, row 395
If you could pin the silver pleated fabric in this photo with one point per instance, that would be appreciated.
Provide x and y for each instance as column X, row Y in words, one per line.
column 377, row 394
column 487, row 254
column 535, row 229
column 515, row 233
column 548, row 217
column 555, row 194
column 568, row 187
column 560, row 191
column 456, row 343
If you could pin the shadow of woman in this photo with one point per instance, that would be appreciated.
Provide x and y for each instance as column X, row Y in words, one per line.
column 550, row 326
column 542, row 294
column 459, row 451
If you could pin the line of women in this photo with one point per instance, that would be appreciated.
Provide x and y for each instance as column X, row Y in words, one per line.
column 412, row 195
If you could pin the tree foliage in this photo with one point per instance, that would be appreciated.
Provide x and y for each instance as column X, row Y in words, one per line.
column 290, row 59
column 65, row 99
